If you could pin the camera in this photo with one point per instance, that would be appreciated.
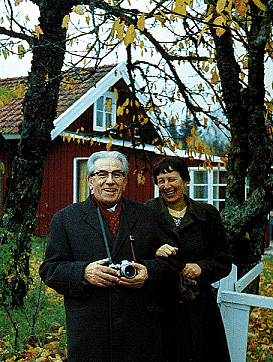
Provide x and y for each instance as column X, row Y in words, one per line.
column 124, row 269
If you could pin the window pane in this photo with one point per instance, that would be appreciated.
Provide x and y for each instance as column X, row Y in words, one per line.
column 100, row 104
column 200, row 177
column 99, row 120
column 82, row 187
column 200, row 192
column 108, row 118
column 108, row 105
column 219, row 177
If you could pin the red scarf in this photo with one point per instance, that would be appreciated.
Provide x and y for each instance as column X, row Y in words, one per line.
column 111, row 218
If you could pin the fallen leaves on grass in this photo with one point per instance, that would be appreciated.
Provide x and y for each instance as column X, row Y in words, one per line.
column 260, row 331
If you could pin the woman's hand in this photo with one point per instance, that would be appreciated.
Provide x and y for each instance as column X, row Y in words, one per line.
column 191, row 271
column 166, row 250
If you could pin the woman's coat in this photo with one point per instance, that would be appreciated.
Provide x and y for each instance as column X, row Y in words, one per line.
column 193, row 330
column 116, row 323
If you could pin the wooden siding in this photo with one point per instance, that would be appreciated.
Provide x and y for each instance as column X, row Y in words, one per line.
column 57, row 190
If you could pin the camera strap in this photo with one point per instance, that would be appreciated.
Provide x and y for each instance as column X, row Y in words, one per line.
column 106, row 241
column 104, row 236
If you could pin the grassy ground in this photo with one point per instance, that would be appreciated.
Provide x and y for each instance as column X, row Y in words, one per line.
column 37, row 331
column 260, row 331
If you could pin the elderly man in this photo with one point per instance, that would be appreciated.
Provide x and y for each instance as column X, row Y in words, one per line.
column 112, row 309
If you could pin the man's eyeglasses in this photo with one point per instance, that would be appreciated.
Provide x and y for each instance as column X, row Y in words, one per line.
column 116, row 175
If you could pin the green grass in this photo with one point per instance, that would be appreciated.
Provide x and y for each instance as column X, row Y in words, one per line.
column 38, row 328
column 260, row 336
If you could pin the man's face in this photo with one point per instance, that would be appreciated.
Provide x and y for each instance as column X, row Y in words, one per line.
column 107, row 182
column 171, row 187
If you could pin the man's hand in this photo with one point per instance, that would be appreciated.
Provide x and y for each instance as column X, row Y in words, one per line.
column 191, row 270
column 97, row 273
column 166, row 250
column 139, row 280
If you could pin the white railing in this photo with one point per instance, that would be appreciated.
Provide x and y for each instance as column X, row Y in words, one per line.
column 235, row 309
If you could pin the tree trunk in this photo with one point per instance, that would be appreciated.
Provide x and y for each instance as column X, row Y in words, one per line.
column 249, row 152
column 26, row 178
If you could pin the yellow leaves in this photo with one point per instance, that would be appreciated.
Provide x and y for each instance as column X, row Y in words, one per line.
column 220, row 6
column 144, row 120
column 21, row 51
column 118, row 27
column 224, row 160
column 259, row 5
column 38, row 31
column 140, row 178
column 118, row 30
column 130, row 35
column 109, row 144
column 19, row 90
column 6, row 94
column 207, row 19
column 215, row 76
column 180, row 145
column 79, row 9
column 116, row 93
column 220, row 21
column 242, row 7
column 141, row 22
column 180, row 7
column 5, row 52
column 65, row 21
column 17, row 2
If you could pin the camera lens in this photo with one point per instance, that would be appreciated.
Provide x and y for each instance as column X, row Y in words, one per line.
column 129, row 271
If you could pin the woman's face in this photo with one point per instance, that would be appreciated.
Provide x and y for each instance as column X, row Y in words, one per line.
column 171, row 187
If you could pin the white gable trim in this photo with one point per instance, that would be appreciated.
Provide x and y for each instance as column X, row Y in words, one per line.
column 148, row 147
column 90, row 97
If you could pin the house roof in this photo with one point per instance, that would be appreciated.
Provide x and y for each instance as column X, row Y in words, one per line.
column 73, row 87
column 79, row 89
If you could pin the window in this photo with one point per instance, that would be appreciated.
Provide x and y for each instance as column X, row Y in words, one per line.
column 208, row 186
column 80, row 186
column 105, row 112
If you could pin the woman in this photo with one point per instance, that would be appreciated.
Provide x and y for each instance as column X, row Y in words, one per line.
column 192, row 327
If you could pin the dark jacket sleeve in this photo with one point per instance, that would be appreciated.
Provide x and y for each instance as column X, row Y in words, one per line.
column 59, row 270
column 161, row 269
column 218, row 260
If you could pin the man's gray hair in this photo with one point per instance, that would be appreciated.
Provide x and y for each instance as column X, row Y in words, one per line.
column 90, row 167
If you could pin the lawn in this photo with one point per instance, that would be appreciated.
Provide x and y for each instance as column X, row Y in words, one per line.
column 260, row 331
column 37, row 333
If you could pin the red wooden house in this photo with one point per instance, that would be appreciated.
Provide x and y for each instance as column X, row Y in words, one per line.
column 90, row 104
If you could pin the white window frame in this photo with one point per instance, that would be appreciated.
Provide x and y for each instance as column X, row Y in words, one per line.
column 75, row 177
column 210, row 198
column 210, row 184
column 113, row 113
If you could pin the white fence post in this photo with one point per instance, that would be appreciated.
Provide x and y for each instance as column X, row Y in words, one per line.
column 236, row 320
column 235, row 309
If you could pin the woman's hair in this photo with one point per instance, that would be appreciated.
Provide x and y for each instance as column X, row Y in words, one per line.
column 90, row 167
column 169, row 164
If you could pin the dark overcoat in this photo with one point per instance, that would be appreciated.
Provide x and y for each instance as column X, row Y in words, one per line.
column 193, row 330
column 111, row 324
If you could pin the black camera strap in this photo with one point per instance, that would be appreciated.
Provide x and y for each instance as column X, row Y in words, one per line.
column 106, row 241
column 104, row 236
